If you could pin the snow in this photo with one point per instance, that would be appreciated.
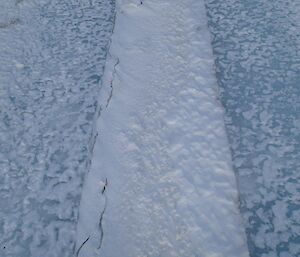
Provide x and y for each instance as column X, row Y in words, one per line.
column 161, row 181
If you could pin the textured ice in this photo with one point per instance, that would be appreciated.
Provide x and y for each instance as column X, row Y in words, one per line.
column 256, row 46
column 51, row 63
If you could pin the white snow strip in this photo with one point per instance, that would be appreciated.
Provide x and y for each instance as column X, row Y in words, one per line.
column 162, row 146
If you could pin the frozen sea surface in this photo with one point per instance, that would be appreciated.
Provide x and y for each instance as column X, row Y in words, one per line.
column 256, row 45
column 51, row 63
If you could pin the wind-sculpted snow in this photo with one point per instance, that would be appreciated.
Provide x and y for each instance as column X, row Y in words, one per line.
column 256, row 46
column 51, row 63
column 161, row 182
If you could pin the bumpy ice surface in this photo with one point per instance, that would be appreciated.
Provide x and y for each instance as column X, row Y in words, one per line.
column 256, row 46
column 51, row 62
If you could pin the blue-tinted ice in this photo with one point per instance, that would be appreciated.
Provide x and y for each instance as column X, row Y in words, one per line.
column 257, row 49
column 52, row 54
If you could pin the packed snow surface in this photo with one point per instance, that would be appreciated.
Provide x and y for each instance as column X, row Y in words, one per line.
column 161, row 181
column 256, row 45
column 52, row 54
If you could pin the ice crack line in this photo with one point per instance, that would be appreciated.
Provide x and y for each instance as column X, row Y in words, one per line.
column 103, row 192
column 116, row 64
column 112, row 81
column 79, row 249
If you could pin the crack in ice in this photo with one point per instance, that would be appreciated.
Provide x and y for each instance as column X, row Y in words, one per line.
column 102, row 214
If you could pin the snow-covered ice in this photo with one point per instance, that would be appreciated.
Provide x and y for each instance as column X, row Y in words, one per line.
column 52, row 55
column 161, row 181
column 256, row 46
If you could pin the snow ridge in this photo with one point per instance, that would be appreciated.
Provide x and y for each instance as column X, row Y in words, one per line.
column 162, row 144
